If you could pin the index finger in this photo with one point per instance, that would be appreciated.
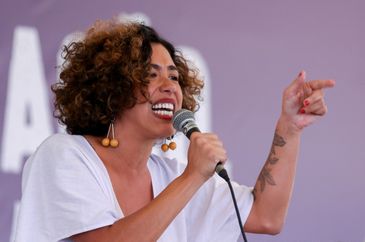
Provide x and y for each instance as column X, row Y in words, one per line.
column 319, row 84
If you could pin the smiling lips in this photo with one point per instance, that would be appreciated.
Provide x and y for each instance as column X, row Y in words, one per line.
column 163, row 110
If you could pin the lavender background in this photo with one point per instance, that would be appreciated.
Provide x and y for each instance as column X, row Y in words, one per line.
column 253, row 49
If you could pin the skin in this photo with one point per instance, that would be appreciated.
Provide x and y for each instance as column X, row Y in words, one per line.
column 302, row 104
column 147, row 218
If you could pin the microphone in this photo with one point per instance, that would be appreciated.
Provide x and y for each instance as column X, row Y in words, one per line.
column 184, row 121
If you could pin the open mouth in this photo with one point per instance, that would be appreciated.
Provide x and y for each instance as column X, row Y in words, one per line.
column 163, row 110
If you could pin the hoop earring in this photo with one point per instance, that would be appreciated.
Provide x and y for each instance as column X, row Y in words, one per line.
column 172, row 145
column 106, row 142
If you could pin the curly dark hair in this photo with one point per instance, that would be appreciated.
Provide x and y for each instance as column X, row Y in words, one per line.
column 103, row 73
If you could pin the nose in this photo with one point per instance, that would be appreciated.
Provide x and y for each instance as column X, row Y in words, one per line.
column 167, row 85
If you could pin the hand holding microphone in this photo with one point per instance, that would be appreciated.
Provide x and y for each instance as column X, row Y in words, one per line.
column 205, row 149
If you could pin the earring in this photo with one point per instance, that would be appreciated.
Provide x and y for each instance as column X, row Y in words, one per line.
column 106, row 142
column 172, row 145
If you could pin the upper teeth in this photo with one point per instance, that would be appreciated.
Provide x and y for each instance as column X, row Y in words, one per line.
column 167, row 106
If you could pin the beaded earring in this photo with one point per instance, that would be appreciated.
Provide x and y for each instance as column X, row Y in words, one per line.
column 172, row 145
column 106, row 142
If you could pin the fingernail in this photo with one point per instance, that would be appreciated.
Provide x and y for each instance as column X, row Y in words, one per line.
column 306, row 102
column 302, row 110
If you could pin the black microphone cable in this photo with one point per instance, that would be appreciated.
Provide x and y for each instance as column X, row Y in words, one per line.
column 223, row 173
column 184, row 121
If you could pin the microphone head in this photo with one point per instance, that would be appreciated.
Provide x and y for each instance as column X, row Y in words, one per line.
column 182, row 117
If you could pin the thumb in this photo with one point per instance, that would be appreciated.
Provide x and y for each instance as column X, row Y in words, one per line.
column 295, row 86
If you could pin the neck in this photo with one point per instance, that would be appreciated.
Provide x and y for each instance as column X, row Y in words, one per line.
column 134, row 148
column 133, row 153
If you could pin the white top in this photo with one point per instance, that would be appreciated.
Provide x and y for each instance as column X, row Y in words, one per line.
column 66, row 190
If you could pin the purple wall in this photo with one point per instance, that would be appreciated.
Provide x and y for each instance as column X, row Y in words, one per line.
column 253, row 50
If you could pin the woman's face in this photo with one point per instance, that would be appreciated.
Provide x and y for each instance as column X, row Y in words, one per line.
column 154, row 117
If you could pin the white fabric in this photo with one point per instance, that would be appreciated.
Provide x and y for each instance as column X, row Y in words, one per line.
column 66, row 190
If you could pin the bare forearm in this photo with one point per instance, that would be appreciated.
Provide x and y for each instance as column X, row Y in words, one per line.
column 148, row 223
column 303, row 104
column 274, row 185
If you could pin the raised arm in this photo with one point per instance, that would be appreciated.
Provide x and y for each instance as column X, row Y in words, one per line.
column 303, row 103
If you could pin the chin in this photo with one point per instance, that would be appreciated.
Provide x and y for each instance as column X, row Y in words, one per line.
column 168, row 133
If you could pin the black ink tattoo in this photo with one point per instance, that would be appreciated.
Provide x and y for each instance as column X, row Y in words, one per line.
column 265, row 174
column 278, row 140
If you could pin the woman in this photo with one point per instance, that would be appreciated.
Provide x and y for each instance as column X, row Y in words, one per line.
column 120, row 87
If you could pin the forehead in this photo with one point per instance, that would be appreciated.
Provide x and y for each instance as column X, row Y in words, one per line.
column 160, row 55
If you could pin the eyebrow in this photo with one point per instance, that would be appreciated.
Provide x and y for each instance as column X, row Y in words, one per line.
column 158, row 67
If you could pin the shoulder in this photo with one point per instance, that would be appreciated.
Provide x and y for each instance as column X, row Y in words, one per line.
column 62, row 159
column 60, row 141
column 58, row 150
column 64, row 170
column 61, row 145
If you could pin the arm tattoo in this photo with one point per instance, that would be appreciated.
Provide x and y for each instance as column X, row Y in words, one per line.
column 265, row 174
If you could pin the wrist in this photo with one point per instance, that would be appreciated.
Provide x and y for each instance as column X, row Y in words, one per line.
column 194, row 178
column 287, row 127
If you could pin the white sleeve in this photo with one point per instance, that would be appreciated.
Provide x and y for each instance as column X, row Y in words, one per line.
column 212, row 215
column 64, row 193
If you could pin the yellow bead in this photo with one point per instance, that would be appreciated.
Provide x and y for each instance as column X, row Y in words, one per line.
column 164, row 147
column 172, row 145
column 114, row 143
column 105, row 142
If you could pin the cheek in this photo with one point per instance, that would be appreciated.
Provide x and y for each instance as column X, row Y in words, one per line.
column 154, row 84
column 142, row 95
column 179, row 96
column 151, row 90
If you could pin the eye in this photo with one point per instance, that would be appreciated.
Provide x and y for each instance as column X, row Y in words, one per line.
column 152, row 75
column 174, row 77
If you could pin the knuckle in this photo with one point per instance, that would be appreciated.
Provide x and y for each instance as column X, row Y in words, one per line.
column 211, row 155
column 199, row 139
column 223, row 158
column 220, row 143
column 194, row 137
column 325, row 109
column 322, row 102
column 213, row 136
